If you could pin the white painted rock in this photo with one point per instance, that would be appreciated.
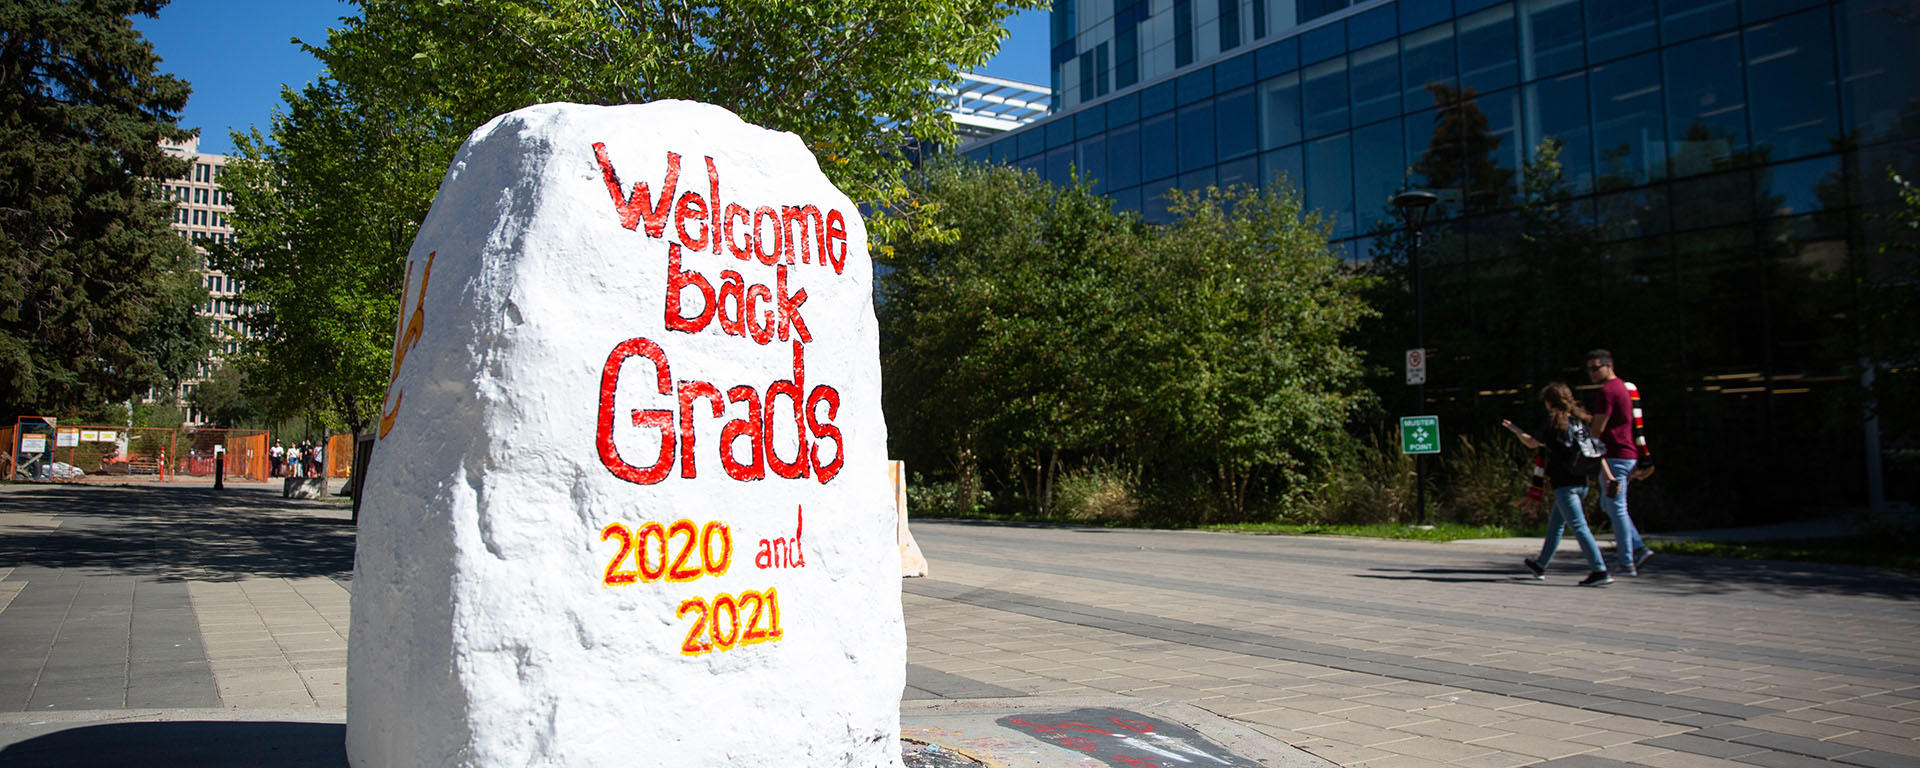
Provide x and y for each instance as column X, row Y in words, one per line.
column 630, row 504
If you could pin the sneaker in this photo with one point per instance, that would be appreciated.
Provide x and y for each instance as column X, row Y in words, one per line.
column 1628, row 570
column 1538, row 572
column 1596, row 579
column 1640, row 556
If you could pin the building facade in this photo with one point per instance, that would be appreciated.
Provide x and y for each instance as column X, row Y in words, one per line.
column 1724, row 162
column 201, row 216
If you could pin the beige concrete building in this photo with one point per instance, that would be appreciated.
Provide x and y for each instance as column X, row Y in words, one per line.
column 201, row 215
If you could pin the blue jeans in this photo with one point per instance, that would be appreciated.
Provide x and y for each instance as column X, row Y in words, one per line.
column 1626, row 538
column 1567, row 514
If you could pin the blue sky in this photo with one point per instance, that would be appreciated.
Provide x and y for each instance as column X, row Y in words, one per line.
column 237, row 54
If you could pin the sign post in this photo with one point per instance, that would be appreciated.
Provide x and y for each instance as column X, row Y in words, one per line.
column 1419, row 436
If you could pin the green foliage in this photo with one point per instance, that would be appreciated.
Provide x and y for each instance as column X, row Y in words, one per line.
column 327, row 205
column 97, row 298
column 223, row 399
column 1099, row 493
column 1205, row 359
column 1485, row 482
column 1435, row 532
column 927, row 498
column 1369, row 485
column 1890, row 304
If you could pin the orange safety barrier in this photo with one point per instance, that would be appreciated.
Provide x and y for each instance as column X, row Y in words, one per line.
column 340, row 455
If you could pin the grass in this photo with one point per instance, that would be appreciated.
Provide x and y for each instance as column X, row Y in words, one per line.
column 1437, row 532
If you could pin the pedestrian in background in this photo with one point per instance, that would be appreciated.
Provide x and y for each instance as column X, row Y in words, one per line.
column 1563, row 429
column 1613, row 422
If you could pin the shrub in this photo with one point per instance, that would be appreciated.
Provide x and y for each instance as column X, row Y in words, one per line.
column 942, row 498
column 1099, row 493
column 1485, row 483
column 1374, row 485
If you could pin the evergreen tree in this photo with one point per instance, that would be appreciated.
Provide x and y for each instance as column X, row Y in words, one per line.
column 96, row 293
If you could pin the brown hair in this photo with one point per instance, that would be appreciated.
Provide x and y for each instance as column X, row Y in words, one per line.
column 1558, row 398
column 1600, row 356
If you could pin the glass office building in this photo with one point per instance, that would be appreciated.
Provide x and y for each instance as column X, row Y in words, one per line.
column 1727, row 158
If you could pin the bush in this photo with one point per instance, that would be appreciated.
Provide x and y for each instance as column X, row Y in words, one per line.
column 1099, row 494
column 942, row 499
column 1484, row 484
column 1374, row 485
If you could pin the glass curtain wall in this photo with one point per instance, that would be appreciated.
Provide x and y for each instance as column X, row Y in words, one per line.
column 1723, row 160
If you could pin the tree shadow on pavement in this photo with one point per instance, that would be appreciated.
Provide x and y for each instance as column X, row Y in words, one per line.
column 195, row 743
column 1691, row 575
column 180, row 533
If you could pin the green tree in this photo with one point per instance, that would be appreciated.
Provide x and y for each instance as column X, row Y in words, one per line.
column 97, row 298
column 224, row 401
column 327, row 205
column 1052, row 333
column 1246, row 335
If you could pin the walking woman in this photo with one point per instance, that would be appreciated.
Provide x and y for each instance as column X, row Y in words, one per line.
column 1563, row 428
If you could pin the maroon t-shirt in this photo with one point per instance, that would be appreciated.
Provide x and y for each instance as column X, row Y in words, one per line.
column 1617, row 405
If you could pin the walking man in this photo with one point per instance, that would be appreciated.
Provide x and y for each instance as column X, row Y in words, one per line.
column 1613, row 422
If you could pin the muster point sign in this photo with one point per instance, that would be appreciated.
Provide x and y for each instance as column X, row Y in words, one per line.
column 629, row 502
column 1419, row 434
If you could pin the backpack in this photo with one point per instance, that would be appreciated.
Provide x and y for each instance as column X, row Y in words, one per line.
column 1583, row 449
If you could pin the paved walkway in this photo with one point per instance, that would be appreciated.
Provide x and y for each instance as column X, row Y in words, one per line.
column 210, row 628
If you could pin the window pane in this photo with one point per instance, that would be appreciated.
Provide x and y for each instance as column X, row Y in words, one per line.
column 1283, row 166
column 1617, row 28
column 1379, row 170
column 1196, row 136
column 1433, row 154
column 1426, row 57
column 1494, row 158
column 1629, row 132
column 1487, row 58
column 1153, row 202
column 1156, row 139
column 1092, row 164
column 1683, row 19
column 1802, row 187
column 1554, row 39
column 1791, row 82
column 1280, row 111
column 1324, row 95
column 1376, row 83
column 1330, row 182
column 1059, row 161
column 1245, row 170
column 1238, row 132
column 1557, row 109
column 1878, row 58
column 1713, row 265
column 1712, row 201
column 1706, row 105
column 1123, row 157
column 1197, row 180
column 1633, row 213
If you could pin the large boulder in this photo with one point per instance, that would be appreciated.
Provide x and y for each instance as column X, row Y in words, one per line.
column 630, row 502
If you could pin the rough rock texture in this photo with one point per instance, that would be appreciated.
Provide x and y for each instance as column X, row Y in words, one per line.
column 579, row 357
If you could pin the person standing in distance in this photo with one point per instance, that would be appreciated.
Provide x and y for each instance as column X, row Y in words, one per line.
column 1613, row 422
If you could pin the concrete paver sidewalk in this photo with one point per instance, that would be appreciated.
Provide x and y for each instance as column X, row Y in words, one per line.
column 135, row 620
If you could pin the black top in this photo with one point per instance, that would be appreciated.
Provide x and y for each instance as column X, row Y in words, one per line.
column 1560, row 454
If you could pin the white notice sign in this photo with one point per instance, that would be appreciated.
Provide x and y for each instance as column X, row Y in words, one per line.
column 1416, row 366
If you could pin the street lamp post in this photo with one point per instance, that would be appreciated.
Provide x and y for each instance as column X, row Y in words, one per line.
column 1414, row 205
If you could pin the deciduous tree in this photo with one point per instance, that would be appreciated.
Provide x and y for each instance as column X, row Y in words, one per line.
column 330, row 199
